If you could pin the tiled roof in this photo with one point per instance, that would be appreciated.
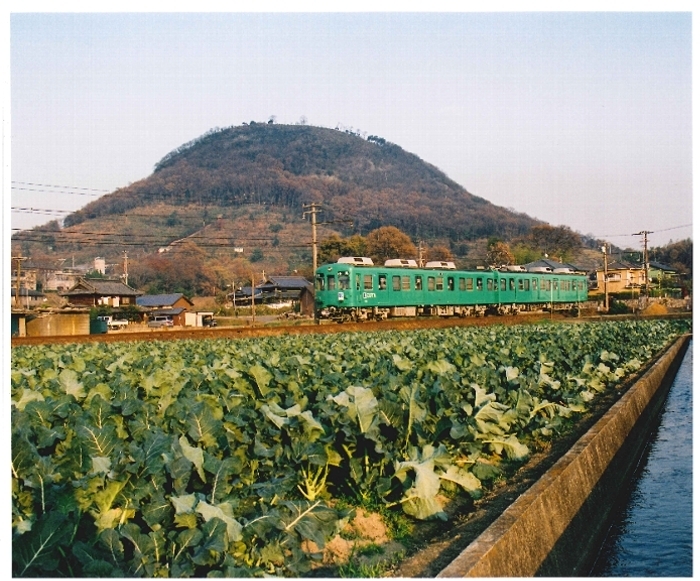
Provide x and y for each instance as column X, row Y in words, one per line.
column 101, row 287
column 285, row 282
column 165, row 300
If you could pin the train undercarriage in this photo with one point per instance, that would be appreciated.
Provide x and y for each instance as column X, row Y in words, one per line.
column 359, row 314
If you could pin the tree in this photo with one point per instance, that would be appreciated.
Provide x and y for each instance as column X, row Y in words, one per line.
column 333, row 247
column 389, row 242
column 499, row 254
column 440, row 252
column 558, row 242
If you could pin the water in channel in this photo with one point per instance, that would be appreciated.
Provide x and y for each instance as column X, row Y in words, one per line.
column 652, row 532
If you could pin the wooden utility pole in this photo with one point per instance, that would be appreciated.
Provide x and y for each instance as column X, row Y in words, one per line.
column 646, row 260
column 314, row 209
column 19, row 260
column 605, row 274
column 126, row 269
column 252, row 296
column 420, row 254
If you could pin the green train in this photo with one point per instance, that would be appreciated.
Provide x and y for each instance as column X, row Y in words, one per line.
column 354, row 289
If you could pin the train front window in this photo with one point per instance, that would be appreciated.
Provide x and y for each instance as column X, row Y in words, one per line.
column 320, row 282
column 368, row 282
column 343, row 281
column 331, row 282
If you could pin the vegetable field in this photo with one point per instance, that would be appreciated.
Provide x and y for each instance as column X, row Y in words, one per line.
column 228, row 457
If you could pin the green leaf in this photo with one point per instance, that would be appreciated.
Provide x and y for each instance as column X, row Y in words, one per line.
column 361, row 404
column 194, row 455
column 68, row 379
column 35, row 554
column 262, row 379
column 208, row 512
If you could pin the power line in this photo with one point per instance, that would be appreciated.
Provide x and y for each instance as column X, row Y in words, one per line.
column 82, row 191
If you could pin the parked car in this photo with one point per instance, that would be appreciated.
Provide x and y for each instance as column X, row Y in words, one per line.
column 161, row 321
column 113, row 324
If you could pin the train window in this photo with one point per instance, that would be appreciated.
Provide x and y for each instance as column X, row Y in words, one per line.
column 396, row 283
column 368, row 282
column 534, row 284
column 439, row 283
column 331, row 282
column 419, row 283
column 343, row 281
column 405, row 283
column 320, row 282
column 357, row 282
column 470, row 284
column 511, row 284
column 382, row 282
column 556, row 285
column 462, row 283
column 521, row 284
column 503, row 284
column 479, row 284
column 526, row 281
column 489, row 284
column 450, row 283
column 431, row 283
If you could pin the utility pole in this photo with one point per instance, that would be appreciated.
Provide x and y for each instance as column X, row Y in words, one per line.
column 19, row 260
column 605, row 274
column 420, row 254
column 126, row 269
column 314, row 209
column 252, row 296
column 646, row 261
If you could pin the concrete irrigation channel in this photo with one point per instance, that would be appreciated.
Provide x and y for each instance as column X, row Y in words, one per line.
column 556, row 526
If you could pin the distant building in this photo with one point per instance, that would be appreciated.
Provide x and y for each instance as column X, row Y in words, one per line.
column 622, row 276
column 95, row 292
column 278, row 290
column 174, row 305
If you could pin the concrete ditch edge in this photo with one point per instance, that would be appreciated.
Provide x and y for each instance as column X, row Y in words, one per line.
column 553, row 529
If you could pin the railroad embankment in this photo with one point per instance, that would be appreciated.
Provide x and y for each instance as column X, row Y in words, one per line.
column 555, row 528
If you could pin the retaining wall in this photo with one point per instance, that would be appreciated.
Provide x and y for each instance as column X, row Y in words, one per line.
column 556, row 527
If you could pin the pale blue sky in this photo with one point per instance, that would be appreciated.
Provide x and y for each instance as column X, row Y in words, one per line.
column 582, row 119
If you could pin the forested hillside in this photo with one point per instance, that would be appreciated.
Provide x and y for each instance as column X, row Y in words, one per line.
column 367, row 181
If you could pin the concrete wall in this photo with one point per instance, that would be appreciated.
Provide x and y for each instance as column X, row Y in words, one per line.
column 59, row 324
column 556, row 527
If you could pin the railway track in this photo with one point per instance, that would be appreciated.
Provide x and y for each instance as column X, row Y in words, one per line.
column 311, row 328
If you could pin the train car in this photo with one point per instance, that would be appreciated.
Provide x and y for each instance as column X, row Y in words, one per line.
column 354, row 289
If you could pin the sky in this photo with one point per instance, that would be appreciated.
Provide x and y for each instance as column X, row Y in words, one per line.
column 582, row 119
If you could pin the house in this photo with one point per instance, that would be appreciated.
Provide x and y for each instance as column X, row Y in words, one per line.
column 279, row 291
column 545, row 264
column 174, row 305
column 622, row 276
column 95, row 292
column 661, row 273
column 27, row 298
